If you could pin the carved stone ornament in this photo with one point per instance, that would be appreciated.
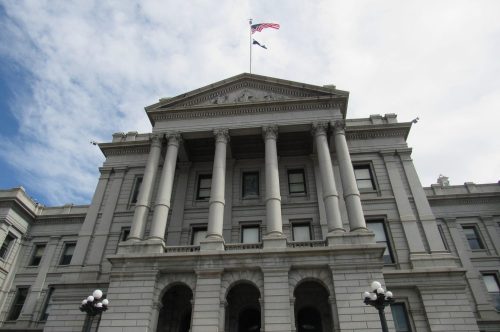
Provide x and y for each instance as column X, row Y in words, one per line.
column 173, row 137
column 319, row 128
column 156, row 139
column 221, row 135
column 339, row 126
column 270, row 132
column 244, row 96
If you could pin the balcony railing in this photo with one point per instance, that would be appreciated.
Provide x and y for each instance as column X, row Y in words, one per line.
column 242, row 246
column 305, row 244
column 177, row 249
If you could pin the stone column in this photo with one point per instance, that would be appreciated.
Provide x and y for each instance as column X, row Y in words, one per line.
column 330, row 195
column 351, row 192
column 217, row 201
column 146, row 191
column 163, row 197
column 273, row 197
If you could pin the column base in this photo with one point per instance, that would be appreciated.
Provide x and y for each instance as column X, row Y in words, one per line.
column 274, row 241
column 150, row 246
column 348, row 238
column 212, row 244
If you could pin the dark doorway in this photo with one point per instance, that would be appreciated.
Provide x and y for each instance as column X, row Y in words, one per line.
column 313, row 311
column 175, row 315
column 309, row 320
column 243, row 309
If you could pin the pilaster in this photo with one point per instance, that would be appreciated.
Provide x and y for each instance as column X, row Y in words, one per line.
column 277, row 300
column 207, row 301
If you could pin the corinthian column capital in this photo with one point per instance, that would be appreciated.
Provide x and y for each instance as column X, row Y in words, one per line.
column 173, row 138
column 155, row 139
column 221, row 135
column 270, row 132
column 319, row 128
column 339, row 126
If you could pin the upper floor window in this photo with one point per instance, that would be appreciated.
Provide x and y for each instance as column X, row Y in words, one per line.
column 378, row 227
column 125, row 232
column 250, row 234
column 301, row 231
column 7, row 245
column 472, row 235
column 37, row 255
column 17, row 305
column 199, row 234
column 204, row 186
column 135, row 191
column 400, row 316
column 250, row 187
column 493, row 288
column 296, row 181
column 69, row 249
column 364, row 177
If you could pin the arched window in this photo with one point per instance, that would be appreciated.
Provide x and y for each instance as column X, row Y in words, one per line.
column 243, row 309
column 175, row 314
column 312, row 309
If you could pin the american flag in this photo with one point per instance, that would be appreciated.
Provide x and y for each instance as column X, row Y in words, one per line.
column 260, row 26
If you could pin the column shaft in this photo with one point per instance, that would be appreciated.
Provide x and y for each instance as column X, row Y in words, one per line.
column 273, row 197
column 351, row 192
column 146, row 191
column 330, row 195
column 217, row 202
column 163, row 197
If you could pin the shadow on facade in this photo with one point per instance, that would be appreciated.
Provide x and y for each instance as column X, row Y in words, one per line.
column 175, row 314
column 312, row 308
column 243, row 312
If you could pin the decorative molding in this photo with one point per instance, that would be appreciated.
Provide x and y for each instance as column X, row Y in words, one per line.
column 169, row 280
column 321, row 275
column 319, row 128
column 229, row 279
column 370, row 133
column 221, row 135
column 339, row 127
column 173, row 138
column 270, row 132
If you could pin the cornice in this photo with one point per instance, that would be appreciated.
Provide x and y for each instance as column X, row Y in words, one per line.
column 61, row 219
column 465, row 199
column 288, row 105
column 125, row 148
column 377, row 131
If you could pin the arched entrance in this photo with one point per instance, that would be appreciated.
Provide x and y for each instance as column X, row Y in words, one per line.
column 312, row 308
column 175, row 315
column 243, row 309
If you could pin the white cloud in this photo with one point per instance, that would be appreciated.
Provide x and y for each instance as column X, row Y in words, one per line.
column 95, row 65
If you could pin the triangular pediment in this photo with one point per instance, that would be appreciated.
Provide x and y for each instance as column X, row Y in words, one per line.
column 246, row 88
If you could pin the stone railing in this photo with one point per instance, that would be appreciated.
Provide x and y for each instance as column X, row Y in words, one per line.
column 242, row 246
column 176, row 249
column 304, row 244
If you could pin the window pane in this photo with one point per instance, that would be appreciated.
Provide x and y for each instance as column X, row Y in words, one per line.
column 37, row 255
column 491, row 283
column 204, row 193
column 296, row 177
column 297, row 187
column 362, row 173
column 7, row 243
column 301, row 233
column 400, row 317
column 137, row 186
column 472, row 237
column 198, row 236
column 204, row 185
column 364, row 184
column 250, row 184
column 17, row 306
column 69, row 249
column 378, row 228
column 205, row 182
column 250, row 234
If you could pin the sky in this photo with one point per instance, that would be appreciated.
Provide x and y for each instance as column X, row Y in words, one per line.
column 72, row 72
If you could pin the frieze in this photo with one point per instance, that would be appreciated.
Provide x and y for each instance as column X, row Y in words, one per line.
column 436, row 200
column 116, row 151
column 204, row 113
column 370, row 134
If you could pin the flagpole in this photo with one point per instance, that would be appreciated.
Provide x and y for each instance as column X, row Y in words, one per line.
column 250, row 40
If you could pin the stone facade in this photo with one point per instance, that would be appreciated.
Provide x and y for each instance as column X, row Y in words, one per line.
column 255, row 204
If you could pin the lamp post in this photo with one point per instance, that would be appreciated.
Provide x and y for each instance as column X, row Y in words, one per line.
column 93, row 305
column 379, row 298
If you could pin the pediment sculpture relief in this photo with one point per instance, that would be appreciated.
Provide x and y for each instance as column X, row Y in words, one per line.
column 246, row 95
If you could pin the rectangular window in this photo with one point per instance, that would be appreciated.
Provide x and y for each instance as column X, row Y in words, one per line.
column 37, row 255
column 7, row 245
column 378, row 227
column 17, row 305
column 400, row 316
column 46, row 305
column 364, row 177
column 204, row 186
column 135, row 191
column 125, row 232
column 472, row 235
column 296, row 181
column 443, row 238
column 493, row 288
column 250, row 187
column 301, row 232
column 69, row 249
column 199, row 234
column 250, row 234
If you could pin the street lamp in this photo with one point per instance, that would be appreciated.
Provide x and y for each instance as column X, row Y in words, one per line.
column 93, row 305
column 379, row 298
